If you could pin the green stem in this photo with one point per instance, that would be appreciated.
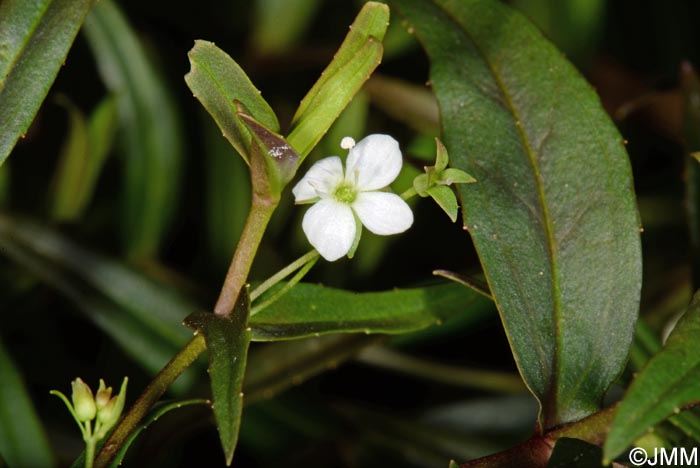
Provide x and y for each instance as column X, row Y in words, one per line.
column 149, row 397
column 410, row 193
column 89, row 452
column 285, row 289
column 260, row 212
column 283, row 273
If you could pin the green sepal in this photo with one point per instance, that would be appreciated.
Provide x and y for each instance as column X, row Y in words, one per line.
column 112, row 412
column 441, row 156
column 228, row 339
column 420, row 185
column 446, row 199
column 455, row 176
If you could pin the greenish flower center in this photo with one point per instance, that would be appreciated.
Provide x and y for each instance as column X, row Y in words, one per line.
column 345, row 193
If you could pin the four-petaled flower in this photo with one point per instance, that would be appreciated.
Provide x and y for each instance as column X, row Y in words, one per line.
column 346, row 200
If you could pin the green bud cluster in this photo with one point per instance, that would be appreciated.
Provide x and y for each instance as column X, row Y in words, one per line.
column 101, row 408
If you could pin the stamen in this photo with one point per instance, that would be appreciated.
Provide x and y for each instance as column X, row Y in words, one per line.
column 347, row 143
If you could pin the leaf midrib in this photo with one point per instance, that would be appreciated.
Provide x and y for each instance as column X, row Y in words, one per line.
column 25, row 44
column 546, row 217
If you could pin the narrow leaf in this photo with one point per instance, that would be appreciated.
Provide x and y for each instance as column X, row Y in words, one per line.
column 228, row 339
column 35, row 36
column 309, row 309
column 150, row 123
column 23, row 442
column 354, row 62
column 82, row 157
column 217, row 81
column 553, row 213
column 72, row 161
column 670, row 380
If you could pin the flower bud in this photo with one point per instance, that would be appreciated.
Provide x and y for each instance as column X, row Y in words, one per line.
column 110, row 413
column 104, row 394
column 83, row 401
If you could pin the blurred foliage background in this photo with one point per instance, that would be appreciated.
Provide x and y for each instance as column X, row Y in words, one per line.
column 155, row 217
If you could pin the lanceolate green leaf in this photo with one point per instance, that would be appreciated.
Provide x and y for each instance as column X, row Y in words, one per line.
column 83, row 154
column 352, row 65
column 553, row 213
column 228, row 339
column 150, row 125
column 72, row 161
column 310, row 309
column 670, row 380
column 23, row 443
column 35, row 36
column 217, row 81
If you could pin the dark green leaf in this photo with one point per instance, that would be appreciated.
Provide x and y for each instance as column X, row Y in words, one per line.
column 228, row 339
column 575, row 453
column 217, row 82
column 310, row 309
column 670, row 380
column 353, row 63
column 150, row 121
column 553, row 213
column 23, row 443
column 35, row 36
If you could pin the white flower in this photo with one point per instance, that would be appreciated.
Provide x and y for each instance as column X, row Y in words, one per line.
column 343, row 200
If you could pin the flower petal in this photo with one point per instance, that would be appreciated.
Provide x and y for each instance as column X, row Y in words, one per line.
column 383, row 213
column 320, row 180
column 374, row 162
column 330, row 227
